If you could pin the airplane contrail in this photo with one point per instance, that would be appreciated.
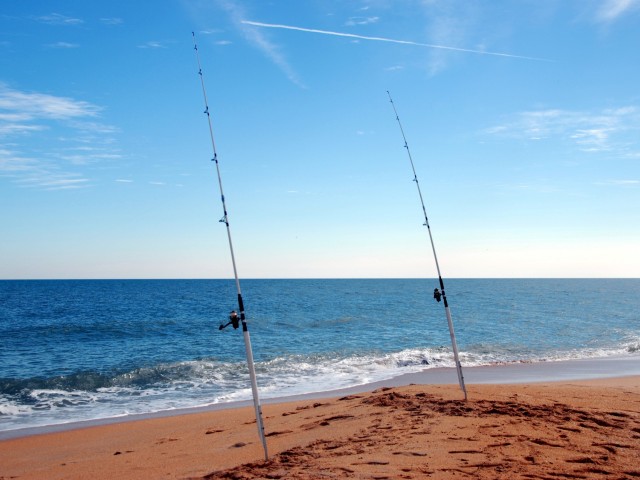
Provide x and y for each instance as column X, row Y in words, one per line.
column 390, row 40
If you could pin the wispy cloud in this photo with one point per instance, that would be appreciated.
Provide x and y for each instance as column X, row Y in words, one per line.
column 74, row 138
column 13, row 163
column 615, row 130
column 59, row 19
column 28, row 106
column 621, row 183
column 361, row 21
column 86, row 155
column 593, row 139
column 93, row 127
column 30, row 172
column 17, row 128
column 111, row 21
column 259, row 41
column 63, row 45
column 62, row 181
column 215, row 31
column 611, row 10
column 152, row 44
column 389, row 40
column 448, row 23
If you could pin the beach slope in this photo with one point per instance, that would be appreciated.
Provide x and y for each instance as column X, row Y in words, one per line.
column 582, row 429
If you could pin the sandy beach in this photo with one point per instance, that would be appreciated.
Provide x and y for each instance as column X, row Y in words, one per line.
column 570, row 429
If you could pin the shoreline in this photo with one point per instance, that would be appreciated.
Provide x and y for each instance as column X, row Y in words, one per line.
column 498, row 374
column 571, row 429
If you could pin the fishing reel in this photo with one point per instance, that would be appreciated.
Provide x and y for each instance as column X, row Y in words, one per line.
column 437, row 295
column 234, row 321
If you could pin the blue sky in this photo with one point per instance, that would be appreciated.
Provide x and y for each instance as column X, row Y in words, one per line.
column 523, row 120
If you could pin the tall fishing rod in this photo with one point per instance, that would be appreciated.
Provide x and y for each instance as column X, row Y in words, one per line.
column 234, row 319
column 437, row 294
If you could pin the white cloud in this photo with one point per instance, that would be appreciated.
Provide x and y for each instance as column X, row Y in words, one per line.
column 447, row 23
column 614, row 130
column 13, row 117
column 361, row 21
column 611, row 10
column 51, row 136
column 259, row 41
column 93, row 127
column 112, row 21
column 12, row 162
column 13, row 128
column 58, row 19
column 593, row 139
column 471, row 24
column 31, row 172
column 63, row 45
column 622, row 183
column 41, row 105
column 152, row 44
column 76, row 156
column 61, row 182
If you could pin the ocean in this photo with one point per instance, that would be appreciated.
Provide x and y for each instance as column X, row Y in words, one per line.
column 74, row 350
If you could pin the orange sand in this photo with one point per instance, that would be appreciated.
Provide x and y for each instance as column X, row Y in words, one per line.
column 582, row 429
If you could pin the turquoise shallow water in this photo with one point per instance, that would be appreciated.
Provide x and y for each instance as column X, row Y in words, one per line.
column 77, row 350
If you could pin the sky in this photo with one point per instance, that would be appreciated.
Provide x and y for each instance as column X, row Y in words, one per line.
column 522, row 119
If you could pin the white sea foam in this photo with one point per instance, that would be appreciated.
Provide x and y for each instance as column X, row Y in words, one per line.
column 206, row 382
column 74, row 361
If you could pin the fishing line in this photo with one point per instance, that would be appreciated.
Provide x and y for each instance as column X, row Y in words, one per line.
column 437, row 294
column 234, row 318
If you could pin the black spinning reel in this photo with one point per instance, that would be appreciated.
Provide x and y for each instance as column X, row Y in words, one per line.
column 437, row 295
column 234, row 320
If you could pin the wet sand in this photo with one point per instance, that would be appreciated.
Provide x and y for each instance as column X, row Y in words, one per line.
column 568, row 429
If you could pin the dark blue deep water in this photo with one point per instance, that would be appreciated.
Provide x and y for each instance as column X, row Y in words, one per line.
column 74, row 350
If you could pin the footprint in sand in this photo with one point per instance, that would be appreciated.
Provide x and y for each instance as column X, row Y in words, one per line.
column 166, row 440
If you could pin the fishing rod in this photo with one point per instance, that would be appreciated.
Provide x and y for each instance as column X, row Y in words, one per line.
column 234, row 319
column 437, row 294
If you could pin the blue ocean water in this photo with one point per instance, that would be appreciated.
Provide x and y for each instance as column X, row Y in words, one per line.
column 87, row 349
